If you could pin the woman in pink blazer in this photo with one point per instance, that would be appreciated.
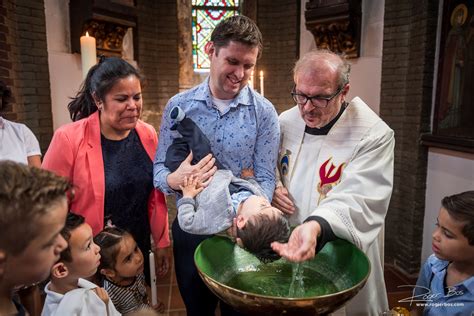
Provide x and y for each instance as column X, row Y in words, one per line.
column 107, row 153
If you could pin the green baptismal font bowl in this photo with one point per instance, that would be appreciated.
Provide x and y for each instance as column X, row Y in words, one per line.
column 315, row 287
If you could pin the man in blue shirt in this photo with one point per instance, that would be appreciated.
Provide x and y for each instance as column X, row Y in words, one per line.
column 243, row 131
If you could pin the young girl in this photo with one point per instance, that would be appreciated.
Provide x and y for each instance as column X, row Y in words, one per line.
column 121, row 269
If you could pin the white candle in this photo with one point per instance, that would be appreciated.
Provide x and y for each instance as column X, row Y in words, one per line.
column 88, row 53
column 154, row 298
column 261, row 84
column 251, row 80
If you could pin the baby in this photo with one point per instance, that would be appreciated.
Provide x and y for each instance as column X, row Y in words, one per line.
column 258, row 223
column 212, row 209
column 121, row 270
column 68, row 293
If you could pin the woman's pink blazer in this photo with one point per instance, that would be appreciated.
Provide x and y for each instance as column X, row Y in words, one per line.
column 75, row 152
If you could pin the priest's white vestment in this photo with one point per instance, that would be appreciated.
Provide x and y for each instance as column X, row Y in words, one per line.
column 345, row 177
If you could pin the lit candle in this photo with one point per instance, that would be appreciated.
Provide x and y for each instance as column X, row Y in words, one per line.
column 261, row 83
column 88, row 53
column 154, row 298
column 251, row 80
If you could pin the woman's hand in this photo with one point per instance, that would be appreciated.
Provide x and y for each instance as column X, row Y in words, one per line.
column 162, row 261
column 203, row 170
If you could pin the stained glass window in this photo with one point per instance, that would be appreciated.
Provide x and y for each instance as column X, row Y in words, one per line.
column 206, row 15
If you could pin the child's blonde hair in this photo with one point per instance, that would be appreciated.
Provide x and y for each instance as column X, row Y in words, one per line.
column 26, row 195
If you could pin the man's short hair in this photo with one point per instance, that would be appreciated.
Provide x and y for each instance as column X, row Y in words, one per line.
column 26, row 195
column 73, row 221
column 461, row 208
column 315, row 56
column 239, row 29
column 260, row 231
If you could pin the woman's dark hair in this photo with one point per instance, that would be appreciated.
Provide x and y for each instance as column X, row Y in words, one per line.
column 461, row 208
column 99, row 81
column 109, row 242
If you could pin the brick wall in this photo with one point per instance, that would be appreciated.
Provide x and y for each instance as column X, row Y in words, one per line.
column 5, row 61
column 24, row 61
column 406, row 97
column 24, row 66
column 279, row 23
column 158, row 60
column 157, row 55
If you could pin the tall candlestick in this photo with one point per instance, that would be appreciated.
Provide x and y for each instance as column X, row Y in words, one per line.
column 154, row 298
column 261, row 84
column 88, row 53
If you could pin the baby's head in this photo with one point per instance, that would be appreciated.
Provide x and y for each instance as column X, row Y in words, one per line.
column 453, row 239
column 258, row 225
column 33, row 208
column 81, row 258
column 122, row 260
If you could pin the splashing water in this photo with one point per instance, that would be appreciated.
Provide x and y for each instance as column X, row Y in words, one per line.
column 297, row 282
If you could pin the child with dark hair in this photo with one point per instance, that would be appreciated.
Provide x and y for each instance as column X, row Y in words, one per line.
column 121, row 271
column 33, row 207
column 258, row 224
column 68, row 293
column 447, row 277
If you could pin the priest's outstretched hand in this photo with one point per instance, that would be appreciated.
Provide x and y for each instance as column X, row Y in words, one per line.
column 302, row 243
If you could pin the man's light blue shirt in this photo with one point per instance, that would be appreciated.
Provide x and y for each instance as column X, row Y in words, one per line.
column 456, row 300
column 246, row 136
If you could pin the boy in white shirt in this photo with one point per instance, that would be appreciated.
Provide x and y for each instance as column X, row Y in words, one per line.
column 68, row 293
